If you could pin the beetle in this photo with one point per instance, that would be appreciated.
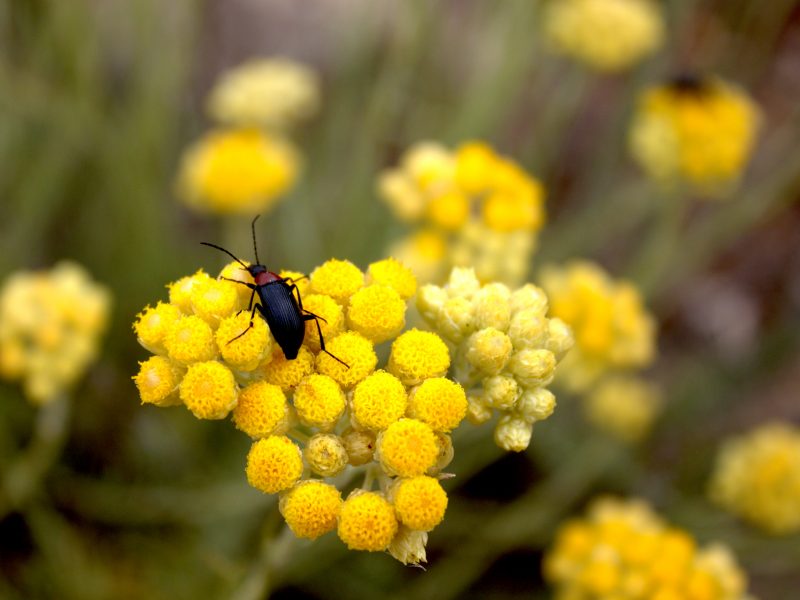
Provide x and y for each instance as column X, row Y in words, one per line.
column 279, row 304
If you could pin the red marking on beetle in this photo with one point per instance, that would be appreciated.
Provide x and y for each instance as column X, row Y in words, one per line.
column 267, row 277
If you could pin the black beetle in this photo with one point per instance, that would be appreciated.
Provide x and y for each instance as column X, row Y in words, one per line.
column 279, row 304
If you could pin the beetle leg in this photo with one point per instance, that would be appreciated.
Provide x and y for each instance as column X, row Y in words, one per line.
column 252, row 286
column 315, row 318
column 308, row 312
column 250, row 304
column 250, row 326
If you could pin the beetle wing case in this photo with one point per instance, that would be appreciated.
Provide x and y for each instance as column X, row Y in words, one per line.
column 279, row 308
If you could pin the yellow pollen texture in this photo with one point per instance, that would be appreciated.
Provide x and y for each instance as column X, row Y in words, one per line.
column 420, row 502
column 311, row 508
column 356, row 351
column 208, row 390
column 377, row 312
column 367, row 522
column 243, row 352
column 319, row 401
column 418, row 355
column 338, row 279
column 152, row 324
column 189, row 340
column 180, row 292
column 393, row 273
column 287, row 373
column 262, row 410
column 214, row 299
column 407, row 448
column 157, row 381
column 331, row 320
column 378, row 401
column 439, row 402
column 274, row 464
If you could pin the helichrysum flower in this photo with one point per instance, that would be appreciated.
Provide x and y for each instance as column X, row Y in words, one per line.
column 270, row 92
column 500, row 373
column 623, row 406
column 622, row 549
column 700, row 131
column 50, row 328
column 314, row 416
column 608, row 35
column 612, row 328
column 482, row 205
column 237, row 171
column 757, row 476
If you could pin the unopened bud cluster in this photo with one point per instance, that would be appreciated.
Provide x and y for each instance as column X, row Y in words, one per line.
column 475, row 207
column 313, row 418
column 505, row 350
column 50, row 328
column 247, row 162
column 622, row 549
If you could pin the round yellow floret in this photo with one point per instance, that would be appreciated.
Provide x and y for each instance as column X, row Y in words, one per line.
column 262, row 410
column 367, row 522
column 189, row 340
column 209, row 390
column 489, row 350
column 439, row 402
column 338, row 279
column 418, row 355
column 214, row 299
column 356, row 351
column 311, row 508
column 158, row 380
column 331, row 320
column 377, row 312
column 237, row 272
column 180, row 291
column 395, row 274
column 407, row 448
column 326, row 454
column 274, row 464
column 152, row 324
column 319, row 401
column 237, row 171
column 420, row 502
column 378, row 401
column 243, row 352
column 299, row 279
column 287, row 373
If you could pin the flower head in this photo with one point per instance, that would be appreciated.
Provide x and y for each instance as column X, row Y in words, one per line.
column 338, row 279
column 700, row 131
column 209, row 390
column 152, row 324
column 355, row 351
column 50, row 328
column 319, row 401
column 439, row 402
column 420, row 502
column 394, row 274
column 287, row 373
column 367, row 522
column 311, row 508
column 214, row 299
column 262, row 410
column 623, row 406
column 326, row 454
column 157, row 381
column 331, row 321
column 609, row 35
column 274, row 464
column 417, row 355
column 243, row 344
column 378, row 401
column 377, row 312
column 407, row 448
column 757, row 476
column 181, row 291
column 190, row 339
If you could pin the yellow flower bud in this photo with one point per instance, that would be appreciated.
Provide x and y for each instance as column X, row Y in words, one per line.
column 378, row 401
column 513, row 434
column 325, row 454
column 311, row 508
column 623, row 406
column 478, row 411
column 214, row 299
column 396, row 275
column 500, row 392
column 536, row 404
column 158, row 380
column 262, row 410
column 356, row 351
column 367, row 522
column 439, row 402
column 489, row 350
column 287, row 373
column 319, row 401
column 243, row 352
column 152, row 324
column 446, row 453
column 209, row 390
column 559, row 337
column 234, row 270
column 190, row 340
column 420, row 502
column 418, row 355
column 360, row 446
column 533, row 368
column 180, row 292
column 338, row 279
column 377, row 312
column 274, row 464
column 528, row 329
column 407, row 447
column 331, row 319
column 408, row 546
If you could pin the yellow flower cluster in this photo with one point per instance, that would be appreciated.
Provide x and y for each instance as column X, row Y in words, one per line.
column 247, row 164
column 478, row 208
column 270, row 92
column 506, row 351
column 608, row 35
column 757, row 476
column 613, row 330
column 697, row 131
column 313, row 418
column 50, row 325
column 623, row 550
column 623, row 406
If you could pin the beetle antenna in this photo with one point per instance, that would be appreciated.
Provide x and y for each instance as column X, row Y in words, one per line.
column 255, row 246
column 228, row 252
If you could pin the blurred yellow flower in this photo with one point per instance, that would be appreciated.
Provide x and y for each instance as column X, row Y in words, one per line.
column 270, row 92
column 623, row 406
column 612, row 328
column 757, row 476
column 622, row 549
column 697, row 130
column 50, row 328
column 237, row 171
column 608, row 35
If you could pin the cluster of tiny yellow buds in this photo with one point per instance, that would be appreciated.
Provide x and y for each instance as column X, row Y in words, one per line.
column 237, row 171
column 483, row 205
column 623, row 406
column 50, row 328
column 506, row 352
column 320, row 414
column 612, row 328
column 698, row 131
column 622, row 549
column 275, row 93
column 757, row 477
column 608, row 35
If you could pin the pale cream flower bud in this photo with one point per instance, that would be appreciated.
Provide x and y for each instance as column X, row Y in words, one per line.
column 529, row 297
column 477, row 410
column 456, row 319
column 536, row 405
column 533, row 368
column 560, row 339
column 359, row 445
column 528, row 329
column 325, row 453
column 513, row 434
column 488, row 350
column 500, row 391
column 430, row 301
column 492, row 306
column 408, row 546
column 446, row 453
column 463, row 282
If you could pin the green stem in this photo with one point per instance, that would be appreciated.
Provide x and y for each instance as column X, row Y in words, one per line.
column 262, row 576
column 24, row 477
